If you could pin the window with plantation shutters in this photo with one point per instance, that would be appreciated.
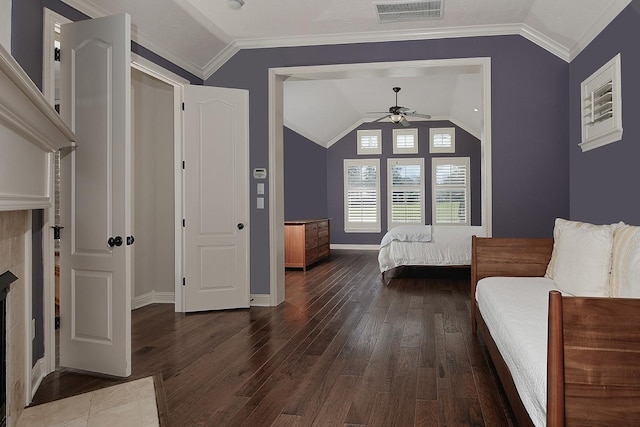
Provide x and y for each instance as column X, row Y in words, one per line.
column 602, row 106
column 405, row 195
column 362, row 196
column 369, row 141
column 451, row 191
column 442, row 140
column 405, row 141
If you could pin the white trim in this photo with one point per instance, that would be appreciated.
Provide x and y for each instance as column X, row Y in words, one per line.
column 465, row 127
column 276, row 187
column 260, row 300
column 28, row 314
column 276, row 184
column 355, row 247
column 153, row 297
column 38, row 373
column 386, row 36
column 345, row 132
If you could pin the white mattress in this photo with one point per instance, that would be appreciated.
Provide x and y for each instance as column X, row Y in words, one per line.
column 449, row 245
column 515, row 312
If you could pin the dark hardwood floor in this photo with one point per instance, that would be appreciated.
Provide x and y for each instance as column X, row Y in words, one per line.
column 344, row 349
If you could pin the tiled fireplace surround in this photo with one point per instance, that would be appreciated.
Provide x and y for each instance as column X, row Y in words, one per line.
column 13, row 229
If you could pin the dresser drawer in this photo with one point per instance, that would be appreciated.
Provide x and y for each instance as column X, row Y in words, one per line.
column 323, row 238
column 311, row 255
column 323, row 251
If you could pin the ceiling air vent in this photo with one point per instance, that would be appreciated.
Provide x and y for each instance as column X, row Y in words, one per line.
column 409, row 11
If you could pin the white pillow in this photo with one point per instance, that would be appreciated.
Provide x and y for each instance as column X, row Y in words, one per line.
column 625, row 262
column 584, row 261
column 564, row 224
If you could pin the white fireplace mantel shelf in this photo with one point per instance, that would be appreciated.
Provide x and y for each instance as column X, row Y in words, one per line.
column 30, row 132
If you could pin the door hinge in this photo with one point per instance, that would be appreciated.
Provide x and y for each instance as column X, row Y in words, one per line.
column 183, row 164
column 184, row 222
column 183, row 106
column 184, row 281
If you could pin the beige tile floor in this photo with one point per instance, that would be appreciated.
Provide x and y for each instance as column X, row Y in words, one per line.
column 132, row 404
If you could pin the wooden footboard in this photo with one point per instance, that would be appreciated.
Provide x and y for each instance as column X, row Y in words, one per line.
column 508, row 257
column 593, row 361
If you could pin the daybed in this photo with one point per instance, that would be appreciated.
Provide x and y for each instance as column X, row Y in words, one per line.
column 426, row 245
column 562, row 359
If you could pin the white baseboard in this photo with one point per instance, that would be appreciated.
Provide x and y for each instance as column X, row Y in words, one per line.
column 154, row 297
column 37, row 375
column 260, row 300
column 355, row 247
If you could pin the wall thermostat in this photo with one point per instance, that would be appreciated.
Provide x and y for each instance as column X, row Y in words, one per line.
column 260, row 173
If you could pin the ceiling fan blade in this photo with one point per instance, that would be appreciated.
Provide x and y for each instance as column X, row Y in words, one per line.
column 404, row 122
column 424, row 116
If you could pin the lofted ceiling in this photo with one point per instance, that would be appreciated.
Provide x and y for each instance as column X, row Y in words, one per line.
column 200, row 35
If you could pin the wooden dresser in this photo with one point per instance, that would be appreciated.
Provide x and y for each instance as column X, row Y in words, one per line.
column 306, row 242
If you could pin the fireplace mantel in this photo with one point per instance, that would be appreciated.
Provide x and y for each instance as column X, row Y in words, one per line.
column 30, row 132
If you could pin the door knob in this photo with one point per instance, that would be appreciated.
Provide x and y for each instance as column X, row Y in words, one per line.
column 240, row 226
column 114, row 241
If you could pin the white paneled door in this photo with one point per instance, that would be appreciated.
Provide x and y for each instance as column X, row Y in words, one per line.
column 216, row 128
column 95, row 330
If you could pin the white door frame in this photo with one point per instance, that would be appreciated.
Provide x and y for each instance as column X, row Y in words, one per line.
column 277, row 76
column 48, row 364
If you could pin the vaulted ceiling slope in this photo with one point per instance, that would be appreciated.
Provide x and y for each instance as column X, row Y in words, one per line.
column 200, row 35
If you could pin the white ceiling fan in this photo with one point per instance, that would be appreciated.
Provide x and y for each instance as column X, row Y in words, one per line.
column 398, row 114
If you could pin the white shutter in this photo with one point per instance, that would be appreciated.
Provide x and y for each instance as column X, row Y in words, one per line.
column 451, row 190
column 442, row 140
column 405, row 191
column 405, row 141
column 361, row 195
column 369, row 141
column 602, row 106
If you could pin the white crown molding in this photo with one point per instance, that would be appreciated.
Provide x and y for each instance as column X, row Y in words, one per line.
column 465, row 127
column 344, row 133
column 144, row 40
column 545, row 42
column 605, row 19
column 305, row 134
column 220, row 59
column 385, row 36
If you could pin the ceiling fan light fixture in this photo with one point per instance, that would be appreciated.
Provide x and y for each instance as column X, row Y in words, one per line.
column 235, row 4
column 395, row 118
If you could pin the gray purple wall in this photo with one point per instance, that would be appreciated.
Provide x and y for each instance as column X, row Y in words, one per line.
column 466, row 146
column 530, row 112
column 305, row 178
column 604, row 181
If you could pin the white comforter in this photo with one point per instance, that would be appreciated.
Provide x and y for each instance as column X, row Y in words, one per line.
column 448, row 245
column 515, row 312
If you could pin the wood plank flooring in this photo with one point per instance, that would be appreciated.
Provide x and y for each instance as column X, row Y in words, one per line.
column 345, row 349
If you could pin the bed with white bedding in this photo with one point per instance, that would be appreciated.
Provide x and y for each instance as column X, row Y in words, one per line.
column 427, row 245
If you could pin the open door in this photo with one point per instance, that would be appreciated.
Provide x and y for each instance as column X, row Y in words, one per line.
column 95, row 257
column 216, row 177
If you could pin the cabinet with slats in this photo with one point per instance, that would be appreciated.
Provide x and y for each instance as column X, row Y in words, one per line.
column 306, row 242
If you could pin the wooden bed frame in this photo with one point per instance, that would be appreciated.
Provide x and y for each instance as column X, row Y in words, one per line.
column 593, row 352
